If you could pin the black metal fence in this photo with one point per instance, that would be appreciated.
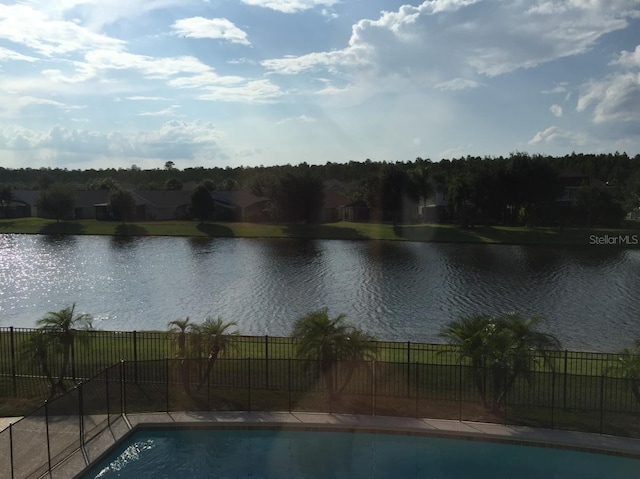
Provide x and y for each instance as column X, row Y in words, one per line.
column 37, row 443
column 21, row 368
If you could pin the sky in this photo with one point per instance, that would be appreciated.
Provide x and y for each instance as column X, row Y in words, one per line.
column 227, row 83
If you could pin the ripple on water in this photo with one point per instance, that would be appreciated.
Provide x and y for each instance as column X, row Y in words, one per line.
column 396, row 291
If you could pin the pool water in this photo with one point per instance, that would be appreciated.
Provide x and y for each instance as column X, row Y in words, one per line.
column 196, row 454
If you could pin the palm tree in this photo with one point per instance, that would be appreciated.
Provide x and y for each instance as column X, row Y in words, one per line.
column 501, row 349
column 215, row 334
column 36, row 350
column 330, row 341
column 627, row 366
column 60, row 327
column 180, row 327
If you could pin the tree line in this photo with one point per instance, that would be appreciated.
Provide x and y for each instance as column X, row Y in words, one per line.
column 520, row 189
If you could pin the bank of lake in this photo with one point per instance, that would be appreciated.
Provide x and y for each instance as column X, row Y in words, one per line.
column 627, row 237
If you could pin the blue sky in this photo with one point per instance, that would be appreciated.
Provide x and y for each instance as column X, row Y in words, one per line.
column 112, row 83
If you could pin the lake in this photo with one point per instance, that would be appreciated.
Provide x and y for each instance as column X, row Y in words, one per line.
column 399, row 291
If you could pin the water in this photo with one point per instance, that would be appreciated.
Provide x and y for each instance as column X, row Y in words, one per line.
column 399, row 291
column 314, row 455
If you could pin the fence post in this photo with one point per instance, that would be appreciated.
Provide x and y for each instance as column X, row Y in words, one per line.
column 73, row 358
column 135, row 357
column 46, row 421
column 106, row 383
column 416, row 386
column 11, row 447
column 460, row 391
column 13, row 363
column 553, row 394
column 289, row 381
column 266, row 359
column 123, row 389
column 80, row 414
column 564, row 393
column 408, row 368
column 373, row 388
column 166, row 381
column 249, row 380
column 601, row 402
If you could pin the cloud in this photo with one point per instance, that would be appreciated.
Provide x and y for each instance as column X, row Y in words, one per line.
column 558, row 137
column 556, row 110
column 616, row 98
column 148, row 98
column 457, row 84
column 290, row 6
column 49, row 37
column 6, row 54
column 170, row 111
column 215, row 28
column 174, row 140
column 464, row 39
column 297, row 119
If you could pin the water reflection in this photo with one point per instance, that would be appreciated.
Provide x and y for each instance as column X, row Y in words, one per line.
column 395, row 290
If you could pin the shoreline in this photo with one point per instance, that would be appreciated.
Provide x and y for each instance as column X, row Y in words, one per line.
column 626, row 238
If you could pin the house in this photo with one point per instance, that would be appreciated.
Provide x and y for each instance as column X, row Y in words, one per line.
column 158, row 205
column 240, row 205
column 433, row 209
column 333, row 206
column 573, row 180
column 355, row 211
column 87, row 201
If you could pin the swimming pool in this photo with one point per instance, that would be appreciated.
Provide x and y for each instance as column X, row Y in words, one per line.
column 264, row 453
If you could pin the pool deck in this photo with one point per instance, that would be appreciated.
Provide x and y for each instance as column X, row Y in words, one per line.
column 107, row 437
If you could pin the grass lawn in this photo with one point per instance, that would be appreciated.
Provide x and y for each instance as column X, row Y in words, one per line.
column 342, row 230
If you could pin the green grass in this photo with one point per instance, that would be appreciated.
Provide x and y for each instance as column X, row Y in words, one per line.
column 342, row 230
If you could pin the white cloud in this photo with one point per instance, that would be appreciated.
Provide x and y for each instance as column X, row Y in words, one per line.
column 629, row 60
column 174, row 140
column 558, row 137
column 297, row 119
column 254, row 91
column 170, row 111
column 148, row 98
column 457, row 84
column 616, row 98
column 6, row 54
column 216, row 28
column 290, row 6
column 465, row 39
column 26, row 26
column 556, row 110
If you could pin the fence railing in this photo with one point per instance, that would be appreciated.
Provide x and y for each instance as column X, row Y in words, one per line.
column 36, row 445
column 21, row 366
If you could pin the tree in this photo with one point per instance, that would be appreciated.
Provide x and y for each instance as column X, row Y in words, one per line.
column 169, row 165
column 330, row 342
column 6, row 196
column 499, row 350
column 36, row 350
column 180, row 327
column 297, row 197
column 627, row 366
column 173, row 184
column 59, row 327
column 107, row 183
column 202, row 204
column 58, row 201
column 217, row 338
column 121, row 205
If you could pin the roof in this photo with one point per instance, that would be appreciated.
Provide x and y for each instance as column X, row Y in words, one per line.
column 163, row 198
column 241, row 198
column 334, row 199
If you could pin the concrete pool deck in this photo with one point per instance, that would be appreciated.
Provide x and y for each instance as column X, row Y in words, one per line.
column 106, row 437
